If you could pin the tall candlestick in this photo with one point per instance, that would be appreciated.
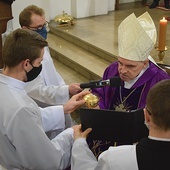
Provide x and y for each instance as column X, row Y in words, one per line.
column 162, row 34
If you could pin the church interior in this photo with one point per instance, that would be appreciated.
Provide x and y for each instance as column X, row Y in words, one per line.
column 83, row 48
column 90, row 45
column 95, row 45
column 81, row 51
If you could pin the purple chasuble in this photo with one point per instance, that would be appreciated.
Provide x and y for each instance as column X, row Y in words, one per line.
column 126, row 99
column 150, row 77
column 133, row 98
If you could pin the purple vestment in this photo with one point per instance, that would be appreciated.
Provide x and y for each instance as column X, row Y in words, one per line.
column 150, row 77
column 110, row 95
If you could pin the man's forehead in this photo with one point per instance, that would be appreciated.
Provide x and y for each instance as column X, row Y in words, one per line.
column 127, row 62
column 37, row 20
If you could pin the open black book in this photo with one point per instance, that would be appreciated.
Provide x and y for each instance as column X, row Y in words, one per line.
column 123, row 127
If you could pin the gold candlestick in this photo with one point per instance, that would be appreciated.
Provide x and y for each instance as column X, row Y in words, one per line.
column 91, row 100
column 161, row 54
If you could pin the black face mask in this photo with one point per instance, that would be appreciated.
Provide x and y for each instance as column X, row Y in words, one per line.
column 32, row 74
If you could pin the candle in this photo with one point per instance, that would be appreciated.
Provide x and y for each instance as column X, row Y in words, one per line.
column 162, row 34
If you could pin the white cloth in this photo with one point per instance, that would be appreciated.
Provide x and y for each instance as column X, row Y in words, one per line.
column 53, row 118
column 49, row 89
column 49, row 73
column 115, row 158
column 2, row 168
column 23, row 142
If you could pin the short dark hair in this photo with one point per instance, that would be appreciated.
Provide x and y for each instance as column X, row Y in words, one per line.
column 158, row 103
column 25, row 15
column 20, row 45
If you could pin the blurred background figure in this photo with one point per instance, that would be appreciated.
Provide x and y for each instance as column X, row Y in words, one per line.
column 155, row 3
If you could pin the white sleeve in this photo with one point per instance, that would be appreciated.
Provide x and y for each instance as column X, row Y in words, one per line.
column 52, row 95
column 82, row 157
column 33, row 148
column 53, row 118
column 115, row 158
column 121, row 157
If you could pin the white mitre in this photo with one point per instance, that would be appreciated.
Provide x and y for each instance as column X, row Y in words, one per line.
column 136, row 37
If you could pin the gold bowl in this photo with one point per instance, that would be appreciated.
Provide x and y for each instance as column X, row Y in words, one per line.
column 64, row 19
column 91, row 100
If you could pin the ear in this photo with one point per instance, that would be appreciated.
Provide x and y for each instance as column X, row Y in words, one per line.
column 147, row 115
column 24, row 27
column 26, row 64
column 146, row 62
